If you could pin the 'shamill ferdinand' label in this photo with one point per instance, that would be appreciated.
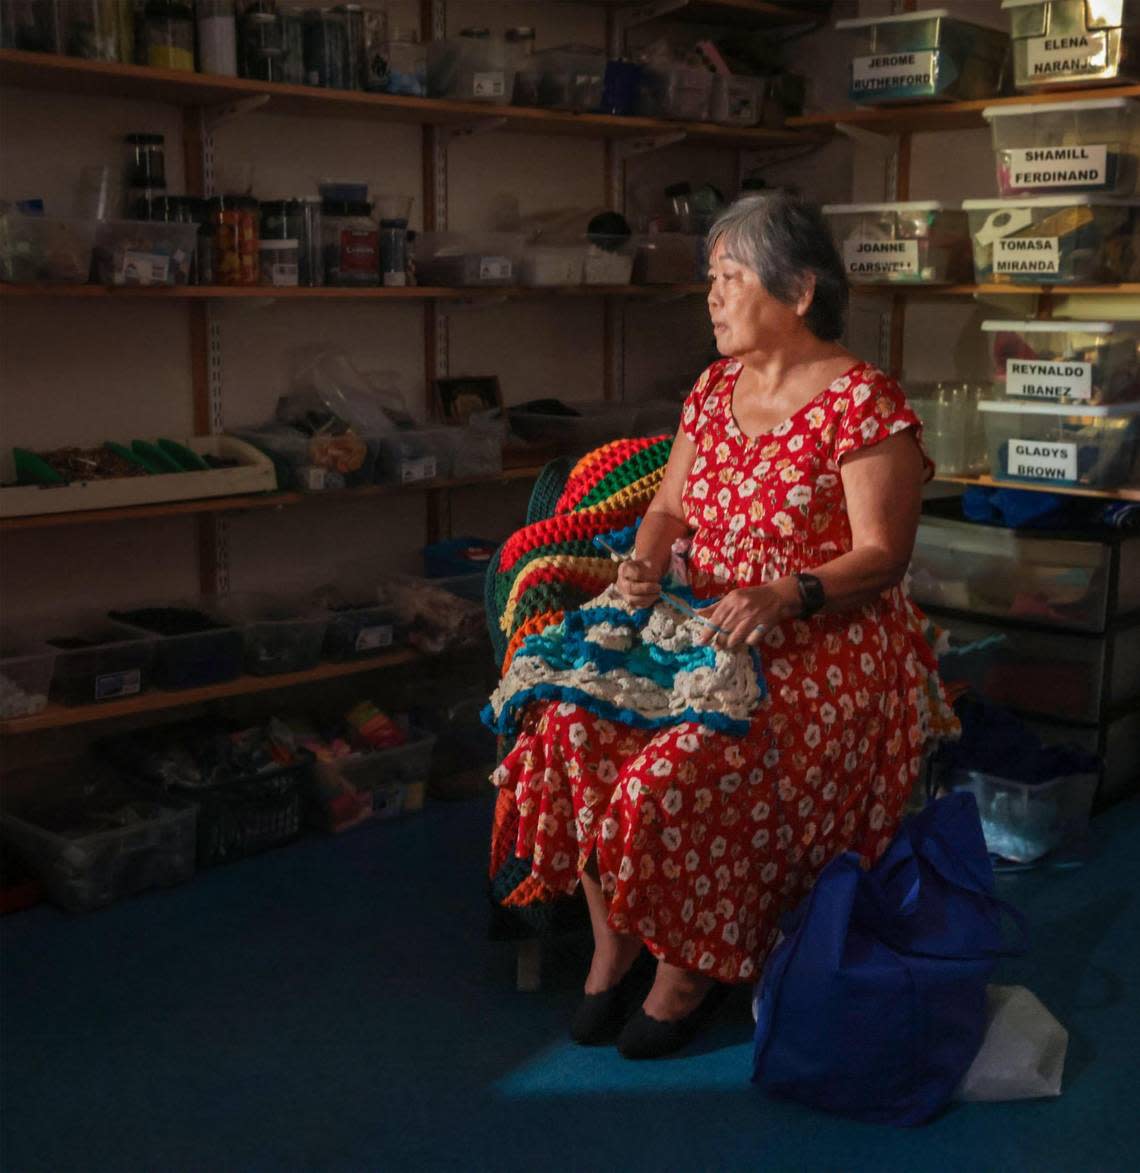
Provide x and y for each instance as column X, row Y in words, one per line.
column 880, row 258
column 1042, row 460
column 1085, row 166
column 1028, row 255
column 1079, row 55
column 893, row 71
column 1048, row 380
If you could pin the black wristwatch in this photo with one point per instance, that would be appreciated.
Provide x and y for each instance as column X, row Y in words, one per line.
column 812, row 597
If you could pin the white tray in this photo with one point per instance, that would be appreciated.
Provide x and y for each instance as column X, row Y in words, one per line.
column 255, row 474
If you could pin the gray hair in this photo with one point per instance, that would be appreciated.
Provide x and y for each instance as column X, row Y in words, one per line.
column 782, row 236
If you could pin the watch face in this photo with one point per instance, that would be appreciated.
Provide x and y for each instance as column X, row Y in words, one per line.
column 811, row 593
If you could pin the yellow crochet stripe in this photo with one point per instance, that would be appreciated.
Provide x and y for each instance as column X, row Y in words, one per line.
column 603, row 567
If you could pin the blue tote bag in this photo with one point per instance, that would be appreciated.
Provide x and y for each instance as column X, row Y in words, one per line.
column 873, row 1005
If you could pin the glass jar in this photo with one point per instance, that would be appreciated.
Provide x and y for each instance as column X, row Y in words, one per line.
column 217, row 37
column 351, row 244
column 236, row 234
column 31, row 25
column 280, row 262
column 168, row 33
column 355, row 62
column 375, row 40
column 98, row 30
column 263, row 47
column 293, row 41
column 402, row 65
column 326, row 49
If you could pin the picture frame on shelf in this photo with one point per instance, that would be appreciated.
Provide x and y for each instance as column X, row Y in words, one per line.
column 458, row 397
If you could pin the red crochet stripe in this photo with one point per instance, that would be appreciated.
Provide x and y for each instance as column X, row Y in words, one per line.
column 564, row 527
column 592, row 469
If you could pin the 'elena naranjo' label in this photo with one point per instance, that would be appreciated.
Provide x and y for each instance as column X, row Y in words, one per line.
column 880, row 258
column 1048, row 380
column 1078, row 55
column 893, row 71
column 1085, row 166
column 1028, row 255
column 1042, row 460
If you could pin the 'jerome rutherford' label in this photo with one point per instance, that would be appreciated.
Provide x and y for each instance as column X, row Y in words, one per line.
column 1042, row 460
column 880, row 258
column 1026, row 255
column 1085, row 166
column 892, row 71
column 1078, row 55
column 1048, row 380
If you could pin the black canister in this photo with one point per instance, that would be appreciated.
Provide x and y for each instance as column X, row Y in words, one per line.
column 326, row 49
column 146, row 161
column 356, row 61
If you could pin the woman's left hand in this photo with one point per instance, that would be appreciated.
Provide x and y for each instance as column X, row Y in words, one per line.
column 745, row 614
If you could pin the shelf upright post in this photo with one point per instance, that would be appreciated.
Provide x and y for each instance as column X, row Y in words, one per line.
column 899, row 178
column 613, row 324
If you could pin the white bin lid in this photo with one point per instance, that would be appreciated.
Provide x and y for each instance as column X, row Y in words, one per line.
column 863, row 22
column 905, row 206
column 1040, row 407
column 1057, row 326
column 991, row 112
column 1068, row 201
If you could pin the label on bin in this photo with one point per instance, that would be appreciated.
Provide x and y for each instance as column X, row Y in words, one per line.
column 1041, row 379
column 369, row 639
column 143, row 269
column 893, row 71
column 489, row 85
column 1026, row 255
column 1085, row 166
column 423, row 469
column 1080, row 53
column 880, row 258
column 1042, row 460
column 115, row 684
column 495, row 268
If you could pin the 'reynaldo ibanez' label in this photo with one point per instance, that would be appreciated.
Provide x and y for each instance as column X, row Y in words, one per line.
column 1027, row 255
column 1085, row 166
column 1078, row 55
column 1037, row 379
column 880, row 258
column 1041, row 460
column 893, row 71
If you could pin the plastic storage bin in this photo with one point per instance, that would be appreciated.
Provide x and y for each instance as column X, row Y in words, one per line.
column 591, row 425
column 928, row 54
column 44, row 248
column 552, row 264
column 279, row 635
column 378, row 785
column 1024, row 821
column 358, row 626
column 739, row 101
column 476, row 449
column 98, row 664
column 952, row 429
column 90, row 839
column 1083, row 362
column 470, row 69
column 25, row 678
column 458, row 556
column 418, row 454
column 195, row 647
column 144, row 252
column 678, row 93
column 1067, row 42
column 916, row 242
column 609, row 261
column 568, row 78
column 240, row 817
column 1035, row 577
column 468, row 258
column 1091, row 146
column 670, row 258
column 1054, row 240
column 1061, row 444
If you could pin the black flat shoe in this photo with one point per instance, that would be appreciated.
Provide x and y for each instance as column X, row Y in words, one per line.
column 645, row 1037
column 600, row 1017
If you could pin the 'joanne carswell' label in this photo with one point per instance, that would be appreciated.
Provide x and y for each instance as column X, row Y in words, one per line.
column 880, row 258
column 1048, row 380
column 893, row 71
column 1079, row 55
column 1085, row 166
column 1041, row 460
column 1028, row 255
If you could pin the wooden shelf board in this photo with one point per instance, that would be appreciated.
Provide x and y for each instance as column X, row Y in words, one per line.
column 988, row 482
column 72, row 75
column 933, row 116
column 57, row 716
column 1002, row 290
column 244, row 504
column 729, row 13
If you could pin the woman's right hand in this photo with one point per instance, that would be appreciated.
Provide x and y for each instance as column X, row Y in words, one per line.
column 639, row 585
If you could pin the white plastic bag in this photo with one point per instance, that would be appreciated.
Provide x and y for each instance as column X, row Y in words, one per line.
column 1023, row 1053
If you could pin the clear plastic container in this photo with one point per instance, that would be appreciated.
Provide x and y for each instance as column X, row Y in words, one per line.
column 1081, row 362
column 609, row 262
column 551, row 264
column 1089, row 146
column 378, row 785
column 569, row 78
column 94, row 29
column 470, row 69
column 739, row 101
column 1062, row 444
column 669, row 258
column 952, row 429
column 97, row 664
column 910, row 243
column 927, row 54
column 194, row 647
column 1024, row 821
column 25, row 678
column 279, row 635
column 1054, row 240
column 402, row 65
column 468, row 258
column 357, row 626
column 280, row 262
column 477, row 447
column 679, row 93
column 418, row 454
column 144, row 252
column 1067, row 42
column 44, row 248
column 90, row 839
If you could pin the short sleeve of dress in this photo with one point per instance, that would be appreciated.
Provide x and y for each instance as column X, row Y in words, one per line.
column 877, row 410
column 693, row 410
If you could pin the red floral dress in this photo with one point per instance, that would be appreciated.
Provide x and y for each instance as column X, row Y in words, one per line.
column 704, row 839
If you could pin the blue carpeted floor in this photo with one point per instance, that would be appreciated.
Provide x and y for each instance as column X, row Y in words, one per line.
column 336, row 1006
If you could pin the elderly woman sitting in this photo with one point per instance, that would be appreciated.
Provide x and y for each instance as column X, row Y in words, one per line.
column 796, row 480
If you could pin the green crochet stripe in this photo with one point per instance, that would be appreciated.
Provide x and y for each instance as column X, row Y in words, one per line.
column 548, row 597
column 579, row 548
column 641, row 464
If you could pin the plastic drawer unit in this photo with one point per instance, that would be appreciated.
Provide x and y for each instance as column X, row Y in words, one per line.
column 951, row 427
column 1054, row 240
column 1074, row 42
column 98, row 664
column 993, row 571
column 1061, row 444
column 1073, row 362
column 928, row 54
column 468, row 258
column 1078, row 678
column 44, row 248
column 915, row 243
column 194, row 647
column 1090, row 146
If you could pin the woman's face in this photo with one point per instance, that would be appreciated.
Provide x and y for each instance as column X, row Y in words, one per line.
column 746, row 318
